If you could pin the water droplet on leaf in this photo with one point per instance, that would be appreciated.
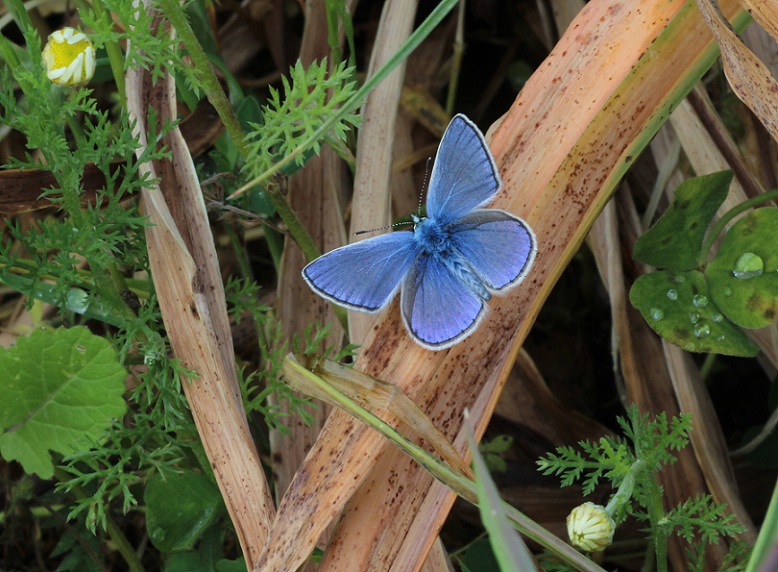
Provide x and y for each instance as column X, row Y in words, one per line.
column 701, row 330
column 656, row 313
column 694, row 317
column 747, row 266
column 700, row 301
column 716, row 317
column 672, row 294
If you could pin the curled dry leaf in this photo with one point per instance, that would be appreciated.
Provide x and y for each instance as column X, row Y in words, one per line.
column 750, row 78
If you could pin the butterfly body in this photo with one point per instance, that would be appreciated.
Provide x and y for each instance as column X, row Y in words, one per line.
column 448, row 267
column 440, row 242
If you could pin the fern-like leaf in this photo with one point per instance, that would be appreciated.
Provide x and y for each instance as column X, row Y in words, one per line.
column 309, row 99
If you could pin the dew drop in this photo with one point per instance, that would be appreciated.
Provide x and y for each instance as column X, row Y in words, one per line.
column 672, row 294
column 694, row 317
column 721, row 338
column 656, row 313
column 678, row 279
column 77, row 300
column 727, row 291
column 700, row 301
column 747, row 266
column 701, row 330
column 716, row 317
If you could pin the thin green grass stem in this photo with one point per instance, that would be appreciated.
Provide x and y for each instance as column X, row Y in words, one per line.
column 114, row 51
column 458, row 483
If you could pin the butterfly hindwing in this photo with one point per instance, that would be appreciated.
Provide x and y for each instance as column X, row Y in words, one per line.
column 364, row 275
column 438, row 308
column 499, row 246
column 464, row 175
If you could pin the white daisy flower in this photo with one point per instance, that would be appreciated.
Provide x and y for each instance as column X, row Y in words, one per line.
column 69, row 57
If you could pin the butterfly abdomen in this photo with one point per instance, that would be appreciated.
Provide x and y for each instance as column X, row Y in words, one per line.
column 459, row 267
column 436, row 240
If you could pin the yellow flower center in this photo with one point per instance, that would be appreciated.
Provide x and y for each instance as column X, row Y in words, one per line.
column 63, row 53
column 69, row 57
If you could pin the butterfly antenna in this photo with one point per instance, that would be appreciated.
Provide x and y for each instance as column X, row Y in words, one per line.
column 421, row 195
column 425, row 181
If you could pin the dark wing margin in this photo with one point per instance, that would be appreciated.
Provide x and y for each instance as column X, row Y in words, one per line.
column 364, row 275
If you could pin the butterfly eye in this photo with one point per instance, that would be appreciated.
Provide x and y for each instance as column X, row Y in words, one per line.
column 69, row 57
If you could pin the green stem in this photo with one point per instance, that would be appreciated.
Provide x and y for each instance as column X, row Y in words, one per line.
column 656, row 513
column 114, row 51
column 209, row 82
column 217, row 98
column 459, row 49
column 707, row 366
column 624, row 493
column 717, row 228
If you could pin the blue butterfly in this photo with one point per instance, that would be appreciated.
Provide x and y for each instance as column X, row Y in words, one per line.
column 453, row 260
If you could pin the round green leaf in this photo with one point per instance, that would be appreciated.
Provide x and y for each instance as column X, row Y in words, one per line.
column 180, row 508
column 59, row 391
column 743, row 276
column 678, row 307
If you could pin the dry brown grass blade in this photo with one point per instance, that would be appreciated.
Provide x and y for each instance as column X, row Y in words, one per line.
column 766, row 13
column 315, row 194
column 707, row 437
column 191, row 297
column 560, row 158
column 659, row 381
column 646, row 375
column 371, row 207
column 748, row 76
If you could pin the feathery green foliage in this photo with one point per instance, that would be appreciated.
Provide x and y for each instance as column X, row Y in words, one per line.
column 309, row 99
column 631, row 464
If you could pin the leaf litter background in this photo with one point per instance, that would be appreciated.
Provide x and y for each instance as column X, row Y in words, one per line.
column 588, row 351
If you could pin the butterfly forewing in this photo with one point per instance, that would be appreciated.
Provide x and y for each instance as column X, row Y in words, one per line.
column 364, row 275
column 497, row 245
column 438, row 308
column 464, row 175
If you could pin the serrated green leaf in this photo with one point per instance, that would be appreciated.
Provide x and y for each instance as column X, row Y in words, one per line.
column 743, row 276
column 180, row 508
column 678, row 307
column 674, row 242
column 59, row 391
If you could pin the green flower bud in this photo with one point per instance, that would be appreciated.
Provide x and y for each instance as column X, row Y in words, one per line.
column 590, row 527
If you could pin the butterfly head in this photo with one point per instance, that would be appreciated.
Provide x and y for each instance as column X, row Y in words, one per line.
column 431, row 236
